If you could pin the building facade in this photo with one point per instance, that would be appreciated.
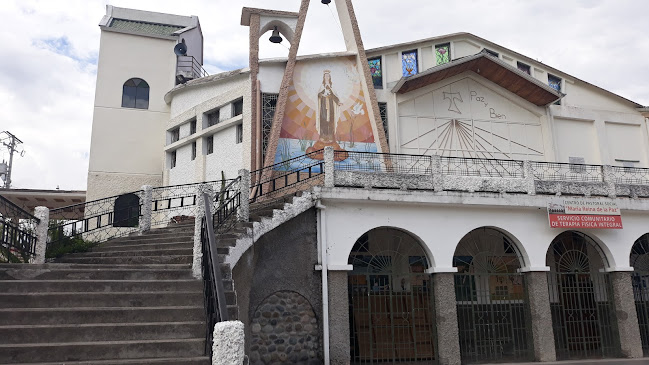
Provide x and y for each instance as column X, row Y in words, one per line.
column 481, row 207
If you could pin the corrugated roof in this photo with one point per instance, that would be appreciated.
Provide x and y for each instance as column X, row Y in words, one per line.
column 143, row 27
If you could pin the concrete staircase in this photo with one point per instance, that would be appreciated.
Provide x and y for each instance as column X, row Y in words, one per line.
column 131, row 300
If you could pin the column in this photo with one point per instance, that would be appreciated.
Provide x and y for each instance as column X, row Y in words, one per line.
column 329, row 166
column 448, row 340
column 147, row 201
column 43, row 215
column 244, row 188
column 538, row 299
column 338, row 318
column 625, row 314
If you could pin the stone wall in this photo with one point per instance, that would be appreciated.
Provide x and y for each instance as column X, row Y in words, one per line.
column 278, row 268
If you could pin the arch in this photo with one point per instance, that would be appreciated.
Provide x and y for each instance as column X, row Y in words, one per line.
column 472, row 244
column 285, row 318
column 639, row 257
column 565, row 249
column 284, row 29
column 429, row 261
column 135, row 94
column 390, row 298
column 490, row 297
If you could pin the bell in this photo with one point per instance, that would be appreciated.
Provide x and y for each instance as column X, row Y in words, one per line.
column 275, row 37
column 326, row 2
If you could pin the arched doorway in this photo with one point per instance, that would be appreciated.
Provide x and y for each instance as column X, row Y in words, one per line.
column 580, row 298
column 491, row 299
column 640, row 262
column 390, row 300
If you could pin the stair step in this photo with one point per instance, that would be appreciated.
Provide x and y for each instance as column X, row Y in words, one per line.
column 101, row 350
column 226, row 242
column 171, row 259
column 114, row 272
column 114, row 299
column 127, row 246
column 201, row 360
column 49, row 286
column 52, row 316
column 161, row 238
column 187, row 250
column 24, row 334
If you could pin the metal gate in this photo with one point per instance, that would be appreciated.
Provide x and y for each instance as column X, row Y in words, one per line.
column 580, row 299
column 491, row 299
column 640, row 263
column 390, row 301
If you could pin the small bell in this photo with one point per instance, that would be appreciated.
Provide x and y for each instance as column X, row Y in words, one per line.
column 326, row 2
column 275, row 37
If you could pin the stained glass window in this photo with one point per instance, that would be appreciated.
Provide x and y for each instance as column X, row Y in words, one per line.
column 524, row 67
column 375, row 71
column 443, row 53
column 554, row 82
column 409, row 63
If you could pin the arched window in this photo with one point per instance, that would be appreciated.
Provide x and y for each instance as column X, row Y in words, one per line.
column 135, row 94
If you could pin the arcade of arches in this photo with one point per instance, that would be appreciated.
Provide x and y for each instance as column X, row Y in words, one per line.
column 501, row 313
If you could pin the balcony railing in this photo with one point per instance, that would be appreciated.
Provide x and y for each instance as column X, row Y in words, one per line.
column 188, row 68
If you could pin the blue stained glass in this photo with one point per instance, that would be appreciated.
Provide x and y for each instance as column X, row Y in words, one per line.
column 409, row 63
column 554, row 82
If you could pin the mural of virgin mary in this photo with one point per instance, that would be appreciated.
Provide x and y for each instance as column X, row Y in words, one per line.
column 327, row 113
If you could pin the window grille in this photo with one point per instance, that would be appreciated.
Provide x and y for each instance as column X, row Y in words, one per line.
column 193, row 151
column 192, row 127
column 268, row 104
column 175, row 135
column 524, row 67
column 173, row 159
column 383, row 110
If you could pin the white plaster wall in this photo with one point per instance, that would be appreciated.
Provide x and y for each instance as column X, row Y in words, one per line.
column 192, row 96
column 270, row 76
column 227, row 156
column 463, row 48
column 626, row 142
column 101, row 184
column 441, row 226
column 183, row 173
column 577, row 138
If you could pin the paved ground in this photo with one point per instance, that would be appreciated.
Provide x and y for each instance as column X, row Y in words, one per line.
column 591, row 362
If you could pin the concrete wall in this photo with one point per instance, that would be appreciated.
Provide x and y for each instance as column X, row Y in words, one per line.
column 125, row 142
column 282, row 261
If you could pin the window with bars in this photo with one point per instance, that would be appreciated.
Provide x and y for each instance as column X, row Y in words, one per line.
column 376, row 72
column 239, row 133
column 193, row 151
column 383, row 110
column 268, row 104
column 409, row 63
column 524, row 67
column 237, row 108
column 209, row 145
column 213, row 118
column 443, row 53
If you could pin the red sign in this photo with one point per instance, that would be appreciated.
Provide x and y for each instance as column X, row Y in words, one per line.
column 585, row 214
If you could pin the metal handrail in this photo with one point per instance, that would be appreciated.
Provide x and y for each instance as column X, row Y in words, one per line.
column 190, row 64
column 17, row 232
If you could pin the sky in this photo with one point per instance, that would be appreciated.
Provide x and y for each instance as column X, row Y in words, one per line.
column 49, row 54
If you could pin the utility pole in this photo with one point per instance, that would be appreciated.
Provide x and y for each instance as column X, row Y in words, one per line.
column 11, row 142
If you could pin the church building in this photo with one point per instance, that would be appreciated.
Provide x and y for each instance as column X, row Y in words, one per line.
column 451, row 200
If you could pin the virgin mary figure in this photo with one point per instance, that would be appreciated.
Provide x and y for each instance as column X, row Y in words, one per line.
column 327, row 112
column 327, row 116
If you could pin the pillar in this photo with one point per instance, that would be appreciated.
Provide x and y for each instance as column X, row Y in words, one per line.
column 448, row 340
column 229, row 342
column 329, row 166
column 147, row 201
column 625, row 314
column 338, row 318
column 43, row 215
column 538, row 299
column 244, row 188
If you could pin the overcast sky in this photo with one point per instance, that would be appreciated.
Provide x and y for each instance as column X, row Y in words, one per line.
column 49, row 55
